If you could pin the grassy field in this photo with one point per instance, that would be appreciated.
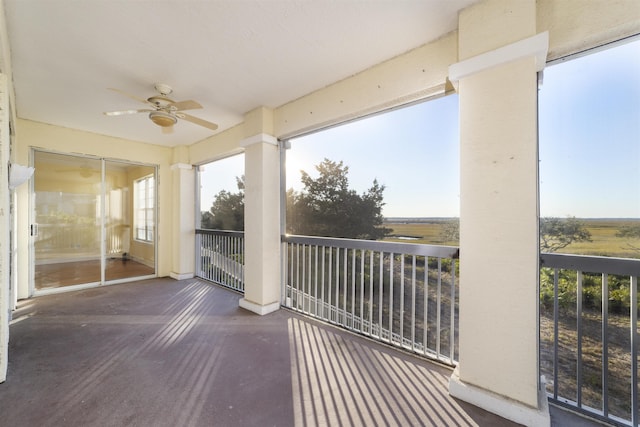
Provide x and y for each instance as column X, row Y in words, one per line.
column 424, row 230
column 603, row 235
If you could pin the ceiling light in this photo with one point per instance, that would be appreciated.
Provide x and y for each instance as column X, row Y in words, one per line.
column 162, row 118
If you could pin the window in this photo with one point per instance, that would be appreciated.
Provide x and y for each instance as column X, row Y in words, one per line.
column 144, row 206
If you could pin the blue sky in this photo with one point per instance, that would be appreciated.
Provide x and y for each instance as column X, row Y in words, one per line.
column 589, row 146
column 590, row 135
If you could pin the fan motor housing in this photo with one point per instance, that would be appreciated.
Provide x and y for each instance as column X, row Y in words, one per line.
column 162, row 118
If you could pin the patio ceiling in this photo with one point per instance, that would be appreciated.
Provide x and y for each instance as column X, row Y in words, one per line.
column 230, row 56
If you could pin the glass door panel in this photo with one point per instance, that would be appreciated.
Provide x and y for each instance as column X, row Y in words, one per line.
column 129, row 220
column 67, row 232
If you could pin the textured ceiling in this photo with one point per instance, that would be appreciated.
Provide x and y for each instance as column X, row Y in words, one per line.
column 229, row 55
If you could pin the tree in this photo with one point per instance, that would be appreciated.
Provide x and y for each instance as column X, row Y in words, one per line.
column 558, row 233
column 328, row 207
column 227, row 211
column 451, row 231
column 630, row 232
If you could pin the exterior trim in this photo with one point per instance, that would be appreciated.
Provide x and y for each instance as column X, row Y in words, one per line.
column 264, row 138
column 500, row 405
column 537, row 46
column 257, row 308
column 183, row 166
column 181, row 276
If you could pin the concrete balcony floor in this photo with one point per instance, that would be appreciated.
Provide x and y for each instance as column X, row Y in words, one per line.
column 182, row 353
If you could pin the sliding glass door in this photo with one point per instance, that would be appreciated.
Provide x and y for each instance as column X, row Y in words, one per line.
column 85, row 219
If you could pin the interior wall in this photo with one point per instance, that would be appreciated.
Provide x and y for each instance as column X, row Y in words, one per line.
column 31, row 134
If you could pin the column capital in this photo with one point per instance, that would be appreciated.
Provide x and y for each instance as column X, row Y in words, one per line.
column 264, row 138
column 183, row 166
column 536, row 46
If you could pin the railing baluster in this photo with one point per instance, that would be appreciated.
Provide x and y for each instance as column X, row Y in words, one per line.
column 315, row 279
column 380, row 295
column 345, row 266
column 324, row 250
column 579, row 332
column 401, row 315
column 633, row 294
column 556, row 313
column 439, row 306
column 353, row 288
column 452, row 317
column 337, row 295
column 362, row 253
column 391, row 267
column 605, row 344
column 371, row 254
column 329, row 278
column 413, row 303
column 425, row 331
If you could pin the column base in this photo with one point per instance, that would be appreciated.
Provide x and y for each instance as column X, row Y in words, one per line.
column 257, row 308
column 500, row 405
column 181, row 276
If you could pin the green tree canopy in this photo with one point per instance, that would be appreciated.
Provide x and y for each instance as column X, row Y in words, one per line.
column 325, row 207
column 227, row 211
column 328, row 207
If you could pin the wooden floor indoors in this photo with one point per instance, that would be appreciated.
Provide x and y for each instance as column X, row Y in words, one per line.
column 62, row 274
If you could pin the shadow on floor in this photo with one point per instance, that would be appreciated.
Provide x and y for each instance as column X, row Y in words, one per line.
column 182, row 353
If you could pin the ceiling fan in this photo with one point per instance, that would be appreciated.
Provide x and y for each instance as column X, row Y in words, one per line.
column 163, row 111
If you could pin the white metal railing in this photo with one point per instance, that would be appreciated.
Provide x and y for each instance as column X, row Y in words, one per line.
column 220, row 257
column 402, row 294
column 589, row 349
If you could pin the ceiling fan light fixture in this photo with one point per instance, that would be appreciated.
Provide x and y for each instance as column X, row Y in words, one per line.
column 162, row 118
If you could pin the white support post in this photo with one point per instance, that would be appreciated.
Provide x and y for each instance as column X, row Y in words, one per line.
column 262, row 224
column 5, row 224
column 499, row 267
column 183, row 235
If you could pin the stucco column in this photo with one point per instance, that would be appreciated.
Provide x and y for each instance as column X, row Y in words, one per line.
column 497, row 86
column 5, row 250
column 183, row 224
column 261, row 224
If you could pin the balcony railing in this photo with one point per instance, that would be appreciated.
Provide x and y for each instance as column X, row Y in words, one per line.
column 220, row 257
column 406, row 295
column 402, row 294
column 589, row 335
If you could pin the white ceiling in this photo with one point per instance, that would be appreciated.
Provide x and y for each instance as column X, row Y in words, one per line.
column 229, row 55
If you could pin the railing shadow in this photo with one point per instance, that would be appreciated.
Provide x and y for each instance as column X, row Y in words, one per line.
column 341, row 379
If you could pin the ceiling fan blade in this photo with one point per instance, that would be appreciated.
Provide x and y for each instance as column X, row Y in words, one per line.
column 185, row 105
column 167, row 129
column 144, row 101
column 198, row 121
column 123, row 112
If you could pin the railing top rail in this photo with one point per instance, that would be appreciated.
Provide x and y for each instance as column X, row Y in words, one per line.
column 375, row 245
column 592, row 264
column 220, row 232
